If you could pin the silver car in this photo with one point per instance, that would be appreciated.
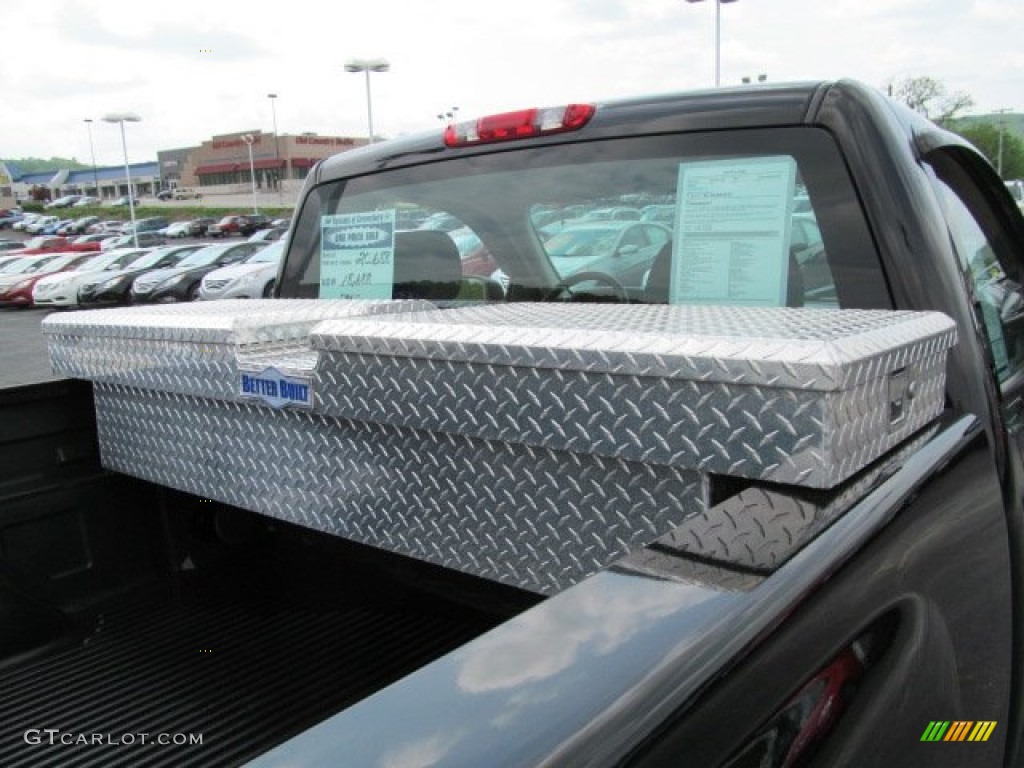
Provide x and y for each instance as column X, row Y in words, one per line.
column 252, row 279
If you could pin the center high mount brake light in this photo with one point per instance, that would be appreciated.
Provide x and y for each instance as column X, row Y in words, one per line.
column 518, row 125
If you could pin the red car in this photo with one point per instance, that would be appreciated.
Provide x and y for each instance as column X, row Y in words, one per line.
column 89, row 242
column 229, row 225
column 43, row 244
column 16, row 287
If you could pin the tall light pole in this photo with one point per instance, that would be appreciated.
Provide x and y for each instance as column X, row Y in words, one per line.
column 368, row 66
column 248, row 139
column 95, row 181
column 277, row 149
column 122, row 118
column 718, row 37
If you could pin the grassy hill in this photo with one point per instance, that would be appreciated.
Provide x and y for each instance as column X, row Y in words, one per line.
column 39, row 164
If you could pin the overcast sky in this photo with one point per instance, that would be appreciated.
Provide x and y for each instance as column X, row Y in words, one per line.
column 194, row 69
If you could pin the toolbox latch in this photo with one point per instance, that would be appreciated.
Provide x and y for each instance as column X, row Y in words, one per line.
column 901, row 392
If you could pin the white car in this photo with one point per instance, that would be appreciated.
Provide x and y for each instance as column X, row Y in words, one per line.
column 252, row 279
column 22, row 225
column 177, row 229
column 40, row 223
column 61, row 290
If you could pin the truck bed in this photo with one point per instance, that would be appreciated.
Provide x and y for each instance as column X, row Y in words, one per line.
column 128, row 609
column 184, row 664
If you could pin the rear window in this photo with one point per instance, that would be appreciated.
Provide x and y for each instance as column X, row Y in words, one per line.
column 745, row 218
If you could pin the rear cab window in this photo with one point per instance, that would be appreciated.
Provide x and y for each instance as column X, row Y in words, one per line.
column 764, row 217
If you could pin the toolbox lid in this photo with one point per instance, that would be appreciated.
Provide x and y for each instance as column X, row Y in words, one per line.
column 232, row 321
column 797, row 348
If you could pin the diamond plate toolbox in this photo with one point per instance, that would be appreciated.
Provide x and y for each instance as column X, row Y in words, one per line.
column 528, row 444
column 800, row 396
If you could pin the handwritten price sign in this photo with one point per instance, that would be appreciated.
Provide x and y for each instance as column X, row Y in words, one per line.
column 357, row 255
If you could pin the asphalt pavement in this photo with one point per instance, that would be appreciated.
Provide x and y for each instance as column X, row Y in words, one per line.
column 23, row 355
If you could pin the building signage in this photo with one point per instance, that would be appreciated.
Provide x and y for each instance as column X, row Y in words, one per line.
column 329, row 140
column 227, row 143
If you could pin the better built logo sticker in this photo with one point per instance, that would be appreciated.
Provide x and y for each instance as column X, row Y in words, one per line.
column 958, row 730
column 275, row 389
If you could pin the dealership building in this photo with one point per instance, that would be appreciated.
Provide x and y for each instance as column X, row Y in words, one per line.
column 222, row 164
column 105, row 182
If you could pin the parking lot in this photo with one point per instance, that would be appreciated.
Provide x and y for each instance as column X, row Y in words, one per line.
column 23, row 348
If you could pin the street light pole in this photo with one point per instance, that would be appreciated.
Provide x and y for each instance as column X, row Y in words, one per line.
column 92, row 152
column 122, row 118
column 368, row 66
column 277, row 149
column 248, row 139
column 718, row 37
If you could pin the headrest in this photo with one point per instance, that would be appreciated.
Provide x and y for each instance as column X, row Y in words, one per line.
column 427, row 266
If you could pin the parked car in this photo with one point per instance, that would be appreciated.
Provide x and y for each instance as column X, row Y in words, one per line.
column 615, row 213
column 16, row 285
column 268, row 235
column 660, row 214
column 63, row 202
column 61, row 290
column 37, row 225
column 26, row 219
column 56, row 227
column 621, row 250
column 44, row 244
column 441, row 221
column 87, row 200
column 176, row 229
column 9, row 218
column 7, row 258
column 141, row 240
column 115, row 288
column 111, row 226
column 181, row 282
column 123, row 201
column 11, row 245
column 198, row 227
column 80, row 225
column 228, row 225
column 90, row 242
column 149, row 224
column 252, row 278
column 253, row 222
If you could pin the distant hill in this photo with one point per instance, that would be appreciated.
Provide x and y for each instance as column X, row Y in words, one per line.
column 1013, row 122
column 39, row 165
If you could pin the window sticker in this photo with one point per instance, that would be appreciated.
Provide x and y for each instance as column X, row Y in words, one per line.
column 357, row 255
column 732, row 232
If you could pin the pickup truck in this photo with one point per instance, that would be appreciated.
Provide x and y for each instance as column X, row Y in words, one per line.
column 876, row 621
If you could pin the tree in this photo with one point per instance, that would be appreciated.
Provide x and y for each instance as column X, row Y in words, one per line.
column 985, row 136
column 39, row 193
column 930, row 97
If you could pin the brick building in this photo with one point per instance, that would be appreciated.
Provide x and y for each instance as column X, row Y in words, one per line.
column 222, row 163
